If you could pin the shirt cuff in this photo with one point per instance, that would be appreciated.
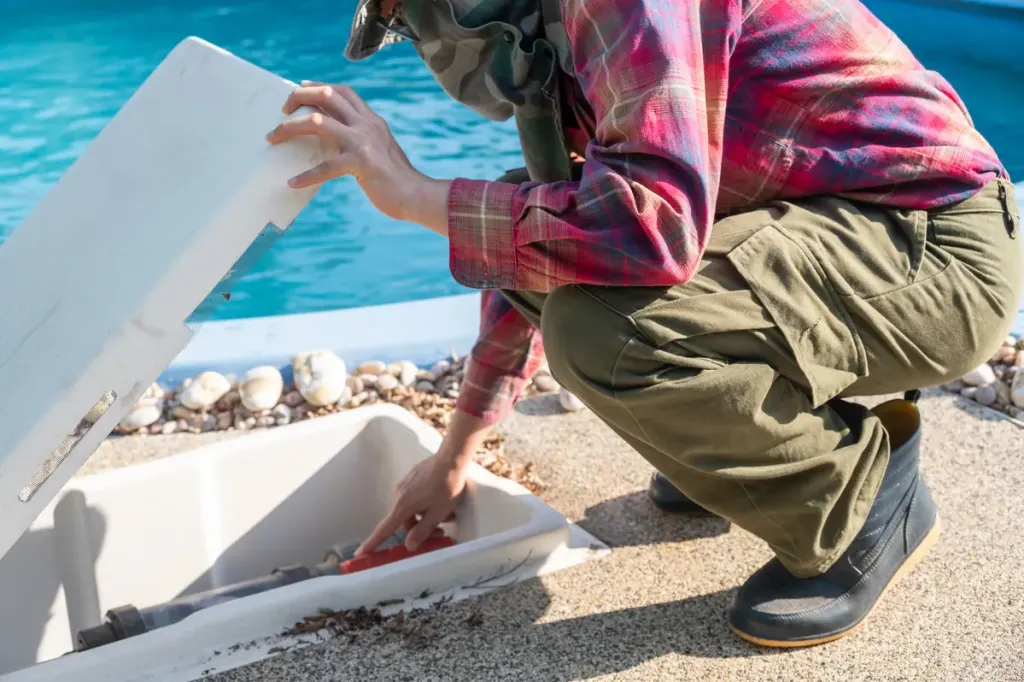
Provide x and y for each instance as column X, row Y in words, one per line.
column 488, row 393
column 481, row 221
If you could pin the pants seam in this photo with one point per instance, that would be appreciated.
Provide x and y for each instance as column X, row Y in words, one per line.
column 615, row 390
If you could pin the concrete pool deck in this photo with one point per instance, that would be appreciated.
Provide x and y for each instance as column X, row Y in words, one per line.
column 654, row 609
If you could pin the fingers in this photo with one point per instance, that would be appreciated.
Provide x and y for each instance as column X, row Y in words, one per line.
column 316, row 124
column 323, row 97
column 424, row 529
column 384, row 529
column 327, row 170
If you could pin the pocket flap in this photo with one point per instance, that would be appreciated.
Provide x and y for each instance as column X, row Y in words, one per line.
column 795, row 290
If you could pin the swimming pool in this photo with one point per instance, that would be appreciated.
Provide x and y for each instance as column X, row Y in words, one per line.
column 66, row 67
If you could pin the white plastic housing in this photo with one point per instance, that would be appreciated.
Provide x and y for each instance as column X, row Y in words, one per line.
column 233, row 511
column 97, row 284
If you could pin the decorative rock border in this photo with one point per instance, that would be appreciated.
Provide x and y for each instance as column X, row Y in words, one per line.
column 999, row 383
column 315, row 385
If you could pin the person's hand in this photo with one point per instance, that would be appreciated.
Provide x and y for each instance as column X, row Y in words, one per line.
column 425, row 498
column 364, row 146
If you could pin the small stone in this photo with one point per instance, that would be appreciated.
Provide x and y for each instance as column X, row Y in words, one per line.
column 265, row 421
column 319, row 377
column 387, row 382
column 180, row 412
column 224, row 421
column 241, row 424
column 372, row 397
column 346, row 397
column 569, row 402
column 366, row 381
column 969, row 392
column 292, row 399
column 300, row 412
column 545, row 383
column 204, row 391
column 407, row 373
column 985, row 395
column 261, row 388
column 424, row 375
column 182, row 425
column 1017, row 389
column 156, row 429
column 955, row 386
column 439, row 369
column 426, row 387
column 169, row 428
column 355, row 384
column 147, row 410
column 394, row 369
column 373, row 368
column 1015, row 412
column 358, row 399
column 250, row 422
column 282, row 414
column 1002, row 393
column 979, row 376
column 229, row 401
column 452, row 393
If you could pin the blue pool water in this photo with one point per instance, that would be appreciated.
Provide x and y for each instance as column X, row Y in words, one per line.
column 66, row 66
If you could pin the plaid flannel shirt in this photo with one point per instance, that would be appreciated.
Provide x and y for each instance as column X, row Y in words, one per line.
column 689, row 107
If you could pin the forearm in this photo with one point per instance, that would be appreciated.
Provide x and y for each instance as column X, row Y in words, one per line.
column 429, row 205
column 465, row 436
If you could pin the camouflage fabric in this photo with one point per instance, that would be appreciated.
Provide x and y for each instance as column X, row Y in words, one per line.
column 501, row 58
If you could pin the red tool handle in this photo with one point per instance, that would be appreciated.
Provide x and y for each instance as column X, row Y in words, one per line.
column 393, row 554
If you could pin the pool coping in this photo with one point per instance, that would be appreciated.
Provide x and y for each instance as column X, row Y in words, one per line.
column 421, row 331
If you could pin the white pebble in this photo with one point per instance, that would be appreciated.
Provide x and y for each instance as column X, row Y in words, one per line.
column 979, row 376
column 319, row 377
column 204, row 391
column 265, row 421
column 261, row 388
column 146, row 411
column 440, row 368
column 282, row 414
column 407, row 373
column 387, row 382
column 569, row 402
column 969, row 392
column 366, row 381
column 545, row 383
column 346, row 396
column 169, row 428
column 358, row 399
column 355, row 384
column 373, row 368
column 985, row 395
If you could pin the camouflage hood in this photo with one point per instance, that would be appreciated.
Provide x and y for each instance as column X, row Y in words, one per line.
column 498, row 57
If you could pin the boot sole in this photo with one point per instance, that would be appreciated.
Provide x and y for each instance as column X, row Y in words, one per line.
column 912, row 561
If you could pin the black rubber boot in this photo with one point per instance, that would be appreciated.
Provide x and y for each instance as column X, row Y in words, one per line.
column 775, row 609
column 668, row 498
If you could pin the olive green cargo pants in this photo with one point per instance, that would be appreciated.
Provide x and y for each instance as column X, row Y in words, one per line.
column 730, row 384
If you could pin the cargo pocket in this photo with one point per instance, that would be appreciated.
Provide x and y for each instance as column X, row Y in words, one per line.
column 796, row 292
